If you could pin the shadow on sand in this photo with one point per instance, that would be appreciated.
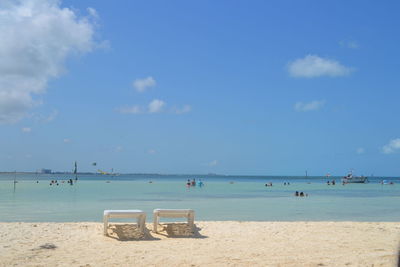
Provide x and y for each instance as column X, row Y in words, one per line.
column 130, row 232
column 179, row 230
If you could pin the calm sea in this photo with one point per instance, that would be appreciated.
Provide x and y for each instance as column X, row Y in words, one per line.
column 221, row 198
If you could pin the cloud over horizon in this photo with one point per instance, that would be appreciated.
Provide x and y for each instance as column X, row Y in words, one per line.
column 314, row 66
column 310, row 106
column 213, row 163
column 142, row 85
column 183, row 110
column 360, row 150
column 156, row 106
column 349, row 44
column 392, row 147
column 130, row 110
column 26, row 130
column 37, row 37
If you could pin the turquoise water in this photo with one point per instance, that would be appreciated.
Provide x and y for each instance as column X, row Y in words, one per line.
column 222, row 198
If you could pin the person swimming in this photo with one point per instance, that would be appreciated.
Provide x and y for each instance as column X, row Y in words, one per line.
column 200, row 183
column 188, row 183
column 194, row 182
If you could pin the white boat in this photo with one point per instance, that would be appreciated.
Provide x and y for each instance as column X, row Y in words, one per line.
column 350, row 179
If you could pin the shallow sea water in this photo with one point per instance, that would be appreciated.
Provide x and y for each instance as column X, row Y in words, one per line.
column 221, row 198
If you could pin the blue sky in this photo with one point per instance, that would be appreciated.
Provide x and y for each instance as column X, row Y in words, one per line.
column 230, row 87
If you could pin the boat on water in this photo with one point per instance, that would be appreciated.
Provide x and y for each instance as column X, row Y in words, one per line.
column 112, row 173
column 350, row 179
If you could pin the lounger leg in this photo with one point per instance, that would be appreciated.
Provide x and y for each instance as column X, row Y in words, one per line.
column 141, row 222
column 191, row 220
column 105, row 220
column 155, row 222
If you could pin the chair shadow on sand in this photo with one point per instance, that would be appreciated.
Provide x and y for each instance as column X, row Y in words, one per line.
column 130, row 232
column 179, row 230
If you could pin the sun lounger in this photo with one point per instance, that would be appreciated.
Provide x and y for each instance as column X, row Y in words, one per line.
column 173, row 213
column 138, row 214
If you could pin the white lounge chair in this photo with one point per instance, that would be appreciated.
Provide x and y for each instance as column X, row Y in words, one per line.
column 138, row 214
column 173, row 213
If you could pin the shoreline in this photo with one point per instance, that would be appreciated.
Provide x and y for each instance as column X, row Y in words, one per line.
column 214, row 243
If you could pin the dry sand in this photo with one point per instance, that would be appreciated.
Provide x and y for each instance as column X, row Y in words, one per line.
column 212, row 244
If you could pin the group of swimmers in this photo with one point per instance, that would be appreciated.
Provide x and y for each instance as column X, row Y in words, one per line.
column 270, row 183
column 331, row 183
column 301, row 194
column 194, row 183
column 55, row 182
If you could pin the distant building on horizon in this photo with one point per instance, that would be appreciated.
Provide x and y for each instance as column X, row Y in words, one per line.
column 45, row 171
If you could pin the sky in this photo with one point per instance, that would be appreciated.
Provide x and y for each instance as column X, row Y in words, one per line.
column 228, row 87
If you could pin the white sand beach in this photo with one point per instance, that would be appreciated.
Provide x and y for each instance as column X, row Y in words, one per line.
column 213, row 244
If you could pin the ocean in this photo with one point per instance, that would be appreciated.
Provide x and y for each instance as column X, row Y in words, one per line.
column 238, row 198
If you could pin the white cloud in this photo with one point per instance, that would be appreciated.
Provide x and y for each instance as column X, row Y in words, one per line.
column 14, row 104
column 184, row 109
column 151, row 151
column 141, row 85
column 213, row 163
column 66, row 140
column 156, row 106
column 26, row 130
column 310, row 106
column 130, row 110
column 314, row 66
column 118, row 149
column 349, row 44
column 92, row 12
column 52, row 116
column 392, row 146
column 36, row 38
column 46, row 118
column 360, row 150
